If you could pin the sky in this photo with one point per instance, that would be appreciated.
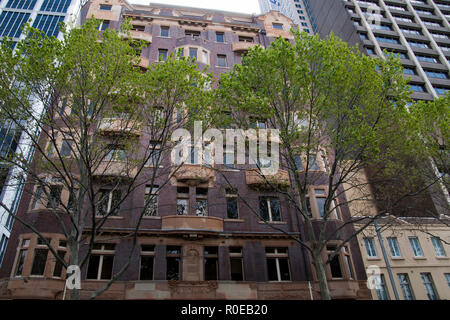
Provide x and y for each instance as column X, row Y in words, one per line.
column 242, row 6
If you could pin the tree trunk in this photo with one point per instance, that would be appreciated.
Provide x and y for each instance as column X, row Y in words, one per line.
column 321, row 276
column 74, row 247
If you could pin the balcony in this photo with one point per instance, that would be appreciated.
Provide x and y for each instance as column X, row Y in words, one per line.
column 115, row 169
column 343, row 289
column 242, row 46
column 256, row 180
column 144, row 63
column 120, row 125
column 192, row 223
column 194, row 174
column 138, row 35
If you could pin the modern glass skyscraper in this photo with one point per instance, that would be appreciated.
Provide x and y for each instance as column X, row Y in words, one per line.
column 417, row 31
column 294, row 9
column 14, row 14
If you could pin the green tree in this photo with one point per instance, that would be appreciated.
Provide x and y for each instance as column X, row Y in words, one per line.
column 99, row 125
column 339, row 113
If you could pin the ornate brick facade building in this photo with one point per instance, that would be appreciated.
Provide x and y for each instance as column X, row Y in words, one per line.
column 215, row 247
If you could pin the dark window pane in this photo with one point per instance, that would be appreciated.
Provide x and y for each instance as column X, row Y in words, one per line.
column 164, row 31
column 284, row 269
column 54, row 197
column 211, row 269
column 335, row 266
column 23, row 254
column 298, row 163
column 321, row 206
column 211, row 250
column 40, row 258
column 115, row 206
column 146, row 268
column 275, row 209
column 220, row 37
column 263, row 209
column 94, row 261
column 232, row 212
column 107, row 267
column 173, row 269
column 236, row 269
column 173, row 250
column 58, row 265
column 272, row 269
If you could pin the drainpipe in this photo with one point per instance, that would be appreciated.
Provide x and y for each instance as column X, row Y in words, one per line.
column 386, row 260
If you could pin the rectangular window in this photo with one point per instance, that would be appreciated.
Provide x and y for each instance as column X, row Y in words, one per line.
column 116, row 153
column 416, row 248
column 54, row 200
column 3, row 244
column 245, row 39
column 37, row 198
column 429, row 286
column 147, row 262
column 57, row 271
column 312, row 162
column 192, row 33
column 100, row 266
column 104, row 25
column 438, row 247
column 49, row 24
column 380, row 288
column 232, row 204
column 154, row 156
column 278, row 264
column 236, row 264
column 221, row 60
column 335, row 263
column 182, row 200
column 40, row 259
column 60, row 6
column 220, row 37
column 21, row 261
column 201, row 202
column 162, row 54
column 66, row 148
column 173, row 263
column 210, row 255
column 151, row 201
column 447, row 278
column 109, row 202
column 11, row 23
column 193, row 53
column 371, row 250
column 164, row 31
column 405, row 285
column 269, row 209
column 394, row 247
column 277, row 26
column 106, row 7
column 21, row 4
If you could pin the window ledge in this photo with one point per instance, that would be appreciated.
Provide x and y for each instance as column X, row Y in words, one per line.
column 151, row 217
column 419, row 258
column 223, row 67
column 233, row 220
column 442, row 258
column 397, row 258
column 272, row 222
column 373, row 258
column 111, row 217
